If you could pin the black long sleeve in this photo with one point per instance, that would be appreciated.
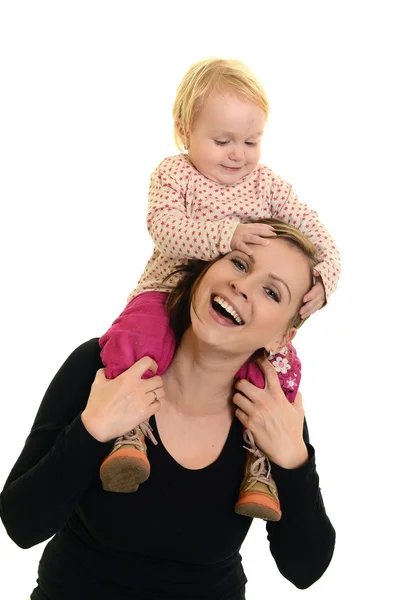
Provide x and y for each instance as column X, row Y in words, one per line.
column 54, row 489
column 59, row 458
column 303, row 541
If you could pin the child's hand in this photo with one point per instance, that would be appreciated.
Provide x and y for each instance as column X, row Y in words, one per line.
column 251, row 233
column 314, row 299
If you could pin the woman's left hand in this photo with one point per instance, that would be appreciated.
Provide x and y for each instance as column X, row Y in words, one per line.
column 276, row 424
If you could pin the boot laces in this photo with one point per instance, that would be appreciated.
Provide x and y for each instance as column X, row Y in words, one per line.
column 136, row 436
column 260, row 468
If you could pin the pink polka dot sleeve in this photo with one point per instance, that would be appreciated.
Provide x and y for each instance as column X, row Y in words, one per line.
column 175, row 232
column 287, row 206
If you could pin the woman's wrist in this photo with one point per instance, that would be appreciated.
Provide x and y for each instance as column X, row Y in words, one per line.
column 297, row 458
column 91, row 427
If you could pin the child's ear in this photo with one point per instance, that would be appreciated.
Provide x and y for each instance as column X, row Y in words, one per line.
column 183, row 137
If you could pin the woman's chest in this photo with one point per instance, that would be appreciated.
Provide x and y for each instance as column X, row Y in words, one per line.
column 194, row 443
column 181, row 513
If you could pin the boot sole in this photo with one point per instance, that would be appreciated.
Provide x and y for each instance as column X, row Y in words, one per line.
column 124, row 470
column 258, row 506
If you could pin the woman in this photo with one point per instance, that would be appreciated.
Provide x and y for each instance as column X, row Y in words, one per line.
column 178, row 537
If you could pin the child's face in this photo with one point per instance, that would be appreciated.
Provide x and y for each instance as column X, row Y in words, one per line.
column 225, row 142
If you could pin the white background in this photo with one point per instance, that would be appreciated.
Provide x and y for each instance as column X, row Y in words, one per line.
column 86, row 96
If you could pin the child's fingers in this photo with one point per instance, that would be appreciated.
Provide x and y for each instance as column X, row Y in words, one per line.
column 310, row 296
column 265, row 230
column 243, row 247
column 256, row 239
column 261, row 229
column 310, row 308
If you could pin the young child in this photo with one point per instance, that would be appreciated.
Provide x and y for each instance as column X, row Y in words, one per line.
column 200, row 205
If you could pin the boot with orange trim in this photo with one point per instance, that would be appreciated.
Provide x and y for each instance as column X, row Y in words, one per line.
column 258, row 496
column 127, row 465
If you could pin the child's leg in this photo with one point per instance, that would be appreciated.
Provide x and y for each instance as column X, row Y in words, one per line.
column 258, row 493
column 288, row 366
column 142, row 329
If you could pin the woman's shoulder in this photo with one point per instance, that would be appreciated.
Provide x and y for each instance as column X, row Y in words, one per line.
column 87, row 351
column 69, row 389
column 82, row 363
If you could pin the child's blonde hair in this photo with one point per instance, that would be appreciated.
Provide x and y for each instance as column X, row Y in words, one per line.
column 203, row 78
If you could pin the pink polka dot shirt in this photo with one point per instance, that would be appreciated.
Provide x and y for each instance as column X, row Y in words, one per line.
column 191, row 217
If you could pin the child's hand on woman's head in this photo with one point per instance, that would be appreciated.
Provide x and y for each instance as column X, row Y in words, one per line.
column 314, row 299
column 251, row 233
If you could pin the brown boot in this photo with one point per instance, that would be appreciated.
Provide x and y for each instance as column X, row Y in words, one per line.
column 258, row 493
column 127, row 465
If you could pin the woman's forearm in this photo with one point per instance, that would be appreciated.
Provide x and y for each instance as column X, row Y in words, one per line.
column 35, row 504
column 303, row 541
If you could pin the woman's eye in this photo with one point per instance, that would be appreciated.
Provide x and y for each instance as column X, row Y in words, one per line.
column 272, row 294
column 251, row 143
column 239, row 264
column 219, row 143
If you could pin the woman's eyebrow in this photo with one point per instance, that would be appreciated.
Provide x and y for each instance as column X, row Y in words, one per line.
column 272, row 275
column 276, row 278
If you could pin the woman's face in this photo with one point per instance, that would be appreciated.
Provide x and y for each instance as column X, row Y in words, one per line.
column 245, row 303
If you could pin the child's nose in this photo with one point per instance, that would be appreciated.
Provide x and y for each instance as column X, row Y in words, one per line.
column 236, row 153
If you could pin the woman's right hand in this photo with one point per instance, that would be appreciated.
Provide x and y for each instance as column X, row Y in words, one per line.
column 115, row 406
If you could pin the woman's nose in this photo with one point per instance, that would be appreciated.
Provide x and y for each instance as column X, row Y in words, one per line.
column 238, row 287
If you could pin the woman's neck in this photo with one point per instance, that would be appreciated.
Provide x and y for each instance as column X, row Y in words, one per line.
column 199, row 380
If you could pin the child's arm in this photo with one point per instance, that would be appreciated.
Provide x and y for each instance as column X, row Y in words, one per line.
column 174, row 233
column 285, row 205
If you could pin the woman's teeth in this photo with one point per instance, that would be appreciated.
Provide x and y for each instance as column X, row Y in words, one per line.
column 228, row 309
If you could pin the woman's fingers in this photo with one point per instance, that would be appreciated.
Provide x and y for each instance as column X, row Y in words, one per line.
column 242, row 402
column 151, row 409
column 100, row 376
column 298, row 404
column 270, row 375
column 272, row 383
column 140, row 367
column 152, row 383
column 156, row 395
column 243, row 418
column 247, row 389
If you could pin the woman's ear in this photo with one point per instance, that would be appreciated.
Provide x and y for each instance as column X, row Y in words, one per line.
column 182, row 135
column 287, row 337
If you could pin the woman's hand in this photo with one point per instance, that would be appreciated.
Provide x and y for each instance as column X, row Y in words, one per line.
column 276, row 424
column 115, row 406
